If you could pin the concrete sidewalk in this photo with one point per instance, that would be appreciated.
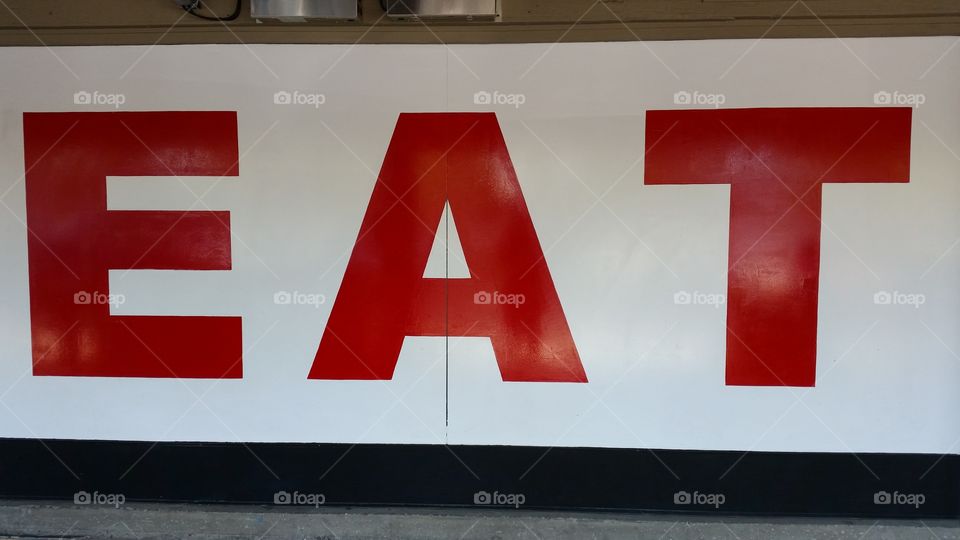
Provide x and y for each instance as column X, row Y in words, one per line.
column 67, row 520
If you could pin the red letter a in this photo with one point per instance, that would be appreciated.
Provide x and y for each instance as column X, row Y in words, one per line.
column 510, row 297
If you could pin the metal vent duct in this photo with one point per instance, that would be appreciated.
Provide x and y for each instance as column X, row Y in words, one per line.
column 435, row 9
column 303, row 10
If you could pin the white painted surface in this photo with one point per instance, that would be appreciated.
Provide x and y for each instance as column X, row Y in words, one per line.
column 887, row 376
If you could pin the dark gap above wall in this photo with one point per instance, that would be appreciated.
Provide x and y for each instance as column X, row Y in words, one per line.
column 107, row 22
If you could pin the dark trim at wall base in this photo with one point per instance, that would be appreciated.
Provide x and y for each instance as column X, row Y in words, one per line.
column 758, row 483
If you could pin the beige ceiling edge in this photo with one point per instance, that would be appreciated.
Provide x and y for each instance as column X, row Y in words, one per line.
column 483, row 33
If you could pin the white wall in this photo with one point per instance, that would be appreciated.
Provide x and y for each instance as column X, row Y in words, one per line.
column 887, row 376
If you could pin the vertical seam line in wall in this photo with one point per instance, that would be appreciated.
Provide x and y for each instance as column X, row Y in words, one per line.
column 446, row 266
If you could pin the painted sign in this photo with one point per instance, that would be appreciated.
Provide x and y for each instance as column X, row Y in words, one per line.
column 489, row 252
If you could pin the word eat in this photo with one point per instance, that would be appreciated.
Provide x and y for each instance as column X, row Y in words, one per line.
column 775, row 160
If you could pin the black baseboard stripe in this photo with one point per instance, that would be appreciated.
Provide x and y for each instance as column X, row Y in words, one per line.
column 722, row 482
